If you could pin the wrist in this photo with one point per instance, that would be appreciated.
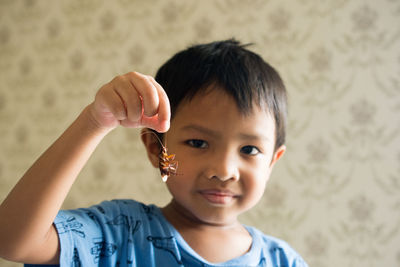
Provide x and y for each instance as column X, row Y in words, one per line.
column 91, row 124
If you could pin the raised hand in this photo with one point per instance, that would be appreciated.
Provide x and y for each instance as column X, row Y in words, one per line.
column 131, row 100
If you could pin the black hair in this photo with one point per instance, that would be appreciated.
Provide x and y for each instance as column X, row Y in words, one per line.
column 229, row 65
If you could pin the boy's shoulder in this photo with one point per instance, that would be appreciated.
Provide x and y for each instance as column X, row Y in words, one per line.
column 109, row 215
column 126, row 207
column 118, row 205
column 278, row 250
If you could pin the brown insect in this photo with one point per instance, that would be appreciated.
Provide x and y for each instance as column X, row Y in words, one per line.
column 168, row 166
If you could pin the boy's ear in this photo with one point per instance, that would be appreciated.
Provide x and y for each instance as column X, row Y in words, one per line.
column 152, row 146
column 277, row 155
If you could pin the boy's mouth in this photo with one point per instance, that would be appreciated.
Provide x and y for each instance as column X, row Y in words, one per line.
column 215, row 196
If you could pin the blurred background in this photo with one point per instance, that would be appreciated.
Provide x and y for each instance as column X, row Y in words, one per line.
column 335, row 196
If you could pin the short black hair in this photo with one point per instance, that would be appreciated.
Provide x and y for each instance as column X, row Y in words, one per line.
column 227, row 64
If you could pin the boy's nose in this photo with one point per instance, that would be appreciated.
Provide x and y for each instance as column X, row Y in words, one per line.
column 223, row 167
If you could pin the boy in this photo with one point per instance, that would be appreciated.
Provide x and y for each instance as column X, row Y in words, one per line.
column 222, row 110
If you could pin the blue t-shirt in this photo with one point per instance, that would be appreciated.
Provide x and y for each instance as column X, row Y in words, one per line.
column 129, row 233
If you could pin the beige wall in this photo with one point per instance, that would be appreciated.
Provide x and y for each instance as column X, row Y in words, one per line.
column 335, row 196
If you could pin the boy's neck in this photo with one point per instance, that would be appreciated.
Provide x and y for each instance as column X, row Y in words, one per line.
column 213, row 242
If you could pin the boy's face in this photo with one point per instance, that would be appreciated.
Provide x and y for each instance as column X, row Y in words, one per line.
column 225, row 158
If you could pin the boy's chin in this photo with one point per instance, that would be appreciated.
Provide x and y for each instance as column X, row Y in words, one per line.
column 203, row 215
column 221, row 220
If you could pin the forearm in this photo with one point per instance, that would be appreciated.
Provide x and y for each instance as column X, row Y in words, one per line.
column 26, row 215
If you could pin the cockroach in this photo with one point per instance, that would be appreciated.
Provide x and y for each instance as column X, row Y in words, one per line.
column 166, row 163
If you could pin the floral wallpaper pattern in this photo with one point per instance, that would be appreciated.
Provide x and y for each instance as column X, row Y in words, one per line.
column 335, row 196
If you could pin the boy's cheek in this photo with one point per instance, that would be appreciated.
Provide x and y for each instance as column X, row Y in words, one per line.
column 178, row 187
column 254, row 195
column 187, row 164
column 256, row 183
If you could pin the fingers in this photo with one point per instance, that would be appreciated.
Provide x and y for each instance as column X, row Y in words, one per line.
column 155, row 104
column 145, row 87
column 130, row 98
column 109, row 102
column 136, row 100
column 164, row 109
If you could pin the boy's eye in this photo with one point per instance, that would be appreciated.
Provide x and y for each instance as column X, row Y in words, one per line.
column 250, row 150
column 197, row 143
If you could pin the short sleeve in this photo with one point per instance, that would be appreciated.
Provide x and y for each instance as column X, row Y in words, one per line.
column 88, row 238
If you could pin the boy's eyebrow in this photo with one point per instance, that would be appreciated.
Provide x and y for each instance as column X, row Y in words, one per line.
column 217, row 135
column 253, row 137
column 201, row 129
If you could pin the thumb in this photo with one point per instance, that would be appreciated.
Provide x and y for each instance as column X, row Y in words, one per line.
column 156, row 123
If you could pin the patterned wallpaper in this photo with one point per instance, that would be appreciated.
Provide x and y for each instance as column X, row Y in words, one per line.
column 336, row 194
